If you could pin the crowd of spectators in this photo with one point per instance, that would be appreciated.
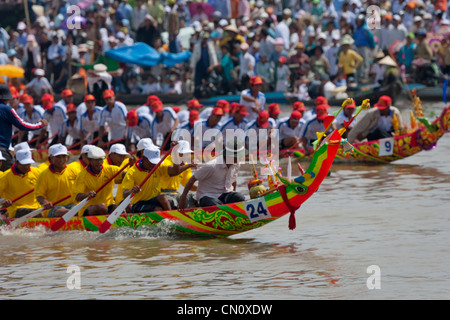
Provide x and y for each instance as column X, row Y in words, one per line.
column 307, row 47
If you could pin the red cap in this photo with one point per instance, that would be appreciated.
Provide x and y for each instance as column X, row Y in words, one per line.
column 47, row 97
column 256, row 80
column 193, row 116
column 274, row 108
column 176, row 109
column 108, row 93
column 241, row 109
column 299, row 106
column 157, row 106
column 217, row 111
column 320, row 100
column 282, row 59
column 132, row 118
column 296, row 115
column 321, row 111
column 263, row 119
column 26, row 98
column 14, row 92
column 234, row 106
column 193, row 103
column 151, row 99
column 352, row 106
column 67, row 93
column 89, row 97
column 71, row 108
column 224, row 104
column 383, row 102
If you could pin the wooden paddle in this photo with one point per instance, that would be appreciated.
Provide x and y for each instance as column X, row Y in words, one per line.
column 34, row 213
column 69, row 215
column 118, row 211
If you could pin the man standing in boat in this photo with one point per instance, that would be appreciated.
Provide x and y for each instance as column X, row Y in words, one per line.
column 217, row 178
column 8, row 119
column 309, row 133
column 377, row 123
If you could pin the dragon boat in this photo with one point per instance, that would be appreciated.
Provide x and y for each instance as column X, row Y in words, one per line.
column 223, row 220
column 404, row 144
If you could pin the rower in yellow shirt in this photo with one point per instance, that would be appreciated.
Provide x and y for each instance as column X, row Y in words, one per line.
column 148, row 198
column 91, row 179
column 178, row 172
column 18, row 180
column 55, row 183
column 116, row 157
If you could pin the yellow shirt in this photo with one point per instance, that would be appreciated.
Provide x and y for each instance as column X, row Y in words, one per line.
column 13, row 185
column 173, row 183
column 119, row 192
column 350, row 61
column 151, row 188
column 54, row 186
column 77, row 166
column 88, row 181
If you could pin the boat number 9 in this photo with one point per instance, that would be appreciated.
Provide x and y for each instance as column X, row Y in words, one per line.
column 386, row 147
column 256, row 209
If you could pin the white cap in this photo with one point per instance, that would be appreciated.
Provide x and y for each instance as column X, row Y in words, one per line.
column 183, row 147
column 144, row 144
column 86, row 148
column 96, row 153
column 24, row 157
column 57, row 150
column 223, row 22
column 39, row 72
column 21, row 25
column 22, row 146
column 153, row 155
column 119, row 149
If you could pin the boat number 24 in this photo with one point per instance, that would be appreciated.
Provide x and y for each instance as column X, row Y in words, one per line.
column 256, row 209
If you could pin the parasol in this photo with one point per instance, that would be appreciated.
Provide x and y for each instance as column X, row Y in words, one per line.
column 9, row 70
column 207, row 8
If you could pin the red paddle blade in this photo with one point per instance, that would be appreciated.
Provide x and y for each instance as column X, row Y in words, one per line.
column 58, row 224
column 104, row 226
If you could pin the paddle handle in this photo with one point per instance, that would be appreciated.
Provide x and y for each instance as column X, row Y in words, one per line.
column 19, row 197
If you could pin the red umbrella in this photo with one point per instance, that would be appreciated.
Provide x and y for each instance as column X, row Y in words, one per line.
column 207, row 8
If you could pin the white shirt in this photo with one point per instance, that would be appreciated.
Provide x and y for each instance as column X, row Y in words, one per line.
column 36, row 116
column 247, row 65
column 285, row 130
column 114, row 119
column 163, row 127
column 90, row 125
column 56, row 119
column 215, row 178
column 142, row 130
column 261, row 98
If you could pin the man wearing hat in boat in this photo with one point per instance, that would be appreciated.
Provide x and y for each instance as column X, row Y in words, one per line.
column 253, row 98
column 187, row 128
column 217, row 178
column 31, row 114
column 56, row 182
column 66, row 98
column 83, row 160
column 55, row 115
column 147, row 198
column 237, row 121
column 91, row 179
column 377, row 122
column 16, row 181
column 345, row 116
column 113, row 117
column 89, row 127
column 70, row 129
column 310, row 129
column 165, row 121
column 139, row 127
column 206, row 131
column 289, row 130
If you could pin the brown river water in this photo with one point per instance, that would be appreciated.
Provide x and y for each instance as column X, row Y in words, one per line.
column 393, row 219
